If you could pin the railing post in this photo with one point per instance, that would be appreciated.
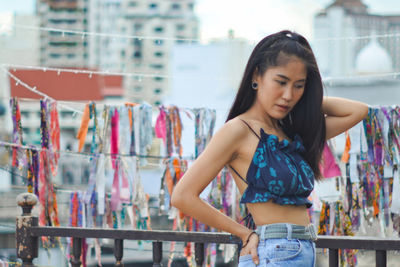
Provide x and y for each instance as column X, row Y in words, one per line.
column 199, row 253
column 157, row 254
column 118, row 252
column 380, row 258
column 76, row 252
column 27, row 245
column 333, row 257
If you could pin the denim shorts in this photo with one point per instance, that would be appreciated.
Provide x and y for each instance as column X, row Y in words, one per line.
column 282, row 252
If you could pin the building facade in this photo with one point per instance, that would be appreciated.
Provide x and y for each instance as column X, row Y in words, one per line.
column 342, row 19
column 157, row 20
column 112, row 45
column 63, row 49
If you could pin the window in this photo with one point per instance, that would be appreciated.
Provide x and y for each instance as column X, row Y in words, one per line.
column 137, row 26
column 132, row 4
column 138, row 88
column 55, row 33
column 137, row 54
column 158, row 42
column 54, row 55
column 158, row 54
column 158, row 29
column 176, row 6
column 156, row 66
column 158, row 79
column 157, row 91
column 180, row 27
column 157, row 103
column 122, row 53
column 65, row 114
column 56, row 21
column 62, row 43
column 153, row 6
column 86, row 172
column 25, row 114
column 180, row 39
column 190, row 6
column 72, row 21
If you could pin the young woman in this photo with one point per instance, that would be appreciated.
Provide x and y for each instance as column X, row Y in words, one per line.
column 272, row 142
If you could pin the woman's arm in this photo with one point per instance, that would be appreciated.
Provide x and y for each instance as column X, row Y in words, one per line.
column 219, row 152
column 342, row 114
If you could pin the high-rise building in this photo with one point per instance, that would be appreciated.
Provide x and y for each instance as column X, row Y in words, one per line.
column 157, row 19
column 105, row 17
column 19, row 46
column 63, row 49
column 161, row 23
column 350, row 18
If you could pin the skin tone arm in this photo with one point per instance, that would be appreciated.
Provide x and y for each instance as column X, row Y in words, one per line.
column 342, row 114
column 219, row 152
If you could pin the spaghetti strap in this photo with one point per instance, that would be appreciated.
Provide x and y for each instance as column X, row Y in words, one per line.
column 251, row 129
column 244, row 180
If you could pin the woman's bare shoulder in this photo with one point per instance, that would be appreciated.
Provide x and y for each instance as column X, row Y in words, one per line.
column 235, row 128
column 229, row 139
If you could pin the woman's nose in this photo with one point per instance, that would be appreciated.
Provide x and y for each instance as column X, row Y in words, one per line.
column 288, row 93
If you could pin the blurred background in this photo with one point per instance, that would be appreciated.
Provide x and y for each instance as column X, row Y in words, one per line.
column 189, row 53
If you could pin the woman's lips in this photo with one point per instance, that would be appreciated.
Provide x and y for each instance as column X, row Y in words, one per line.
column 283, row 107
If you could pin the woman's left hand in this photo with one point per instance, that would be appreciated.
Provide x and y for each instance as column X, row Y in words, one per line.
column 251, row 248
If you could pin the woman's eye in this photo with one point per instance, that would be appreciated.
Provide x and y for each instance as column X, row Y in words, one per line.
column 301, row 86
column 281, row 82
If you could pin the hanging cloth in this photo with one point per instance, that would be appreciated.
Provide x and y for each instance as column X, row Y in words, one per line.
column 177, row 127
column 54, row 138
column 346, row 155
column 17, row 154
column 84, row 127
column 160, row 127
column 329, row 166
column 203, row 129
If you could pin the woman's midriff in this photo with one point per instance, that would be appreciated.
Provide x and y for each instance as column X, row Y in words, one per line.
column 269, row 212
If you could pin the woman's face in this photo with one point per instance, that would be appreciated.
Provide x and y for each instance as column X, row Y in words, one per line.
column 281, row 87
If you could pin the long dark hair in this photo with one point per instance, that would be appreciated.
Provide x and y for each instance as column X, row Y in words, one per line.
column 307, row 119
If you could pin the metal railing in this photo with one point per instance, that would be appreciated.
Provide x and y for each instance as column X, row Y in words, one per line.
column 28, row 233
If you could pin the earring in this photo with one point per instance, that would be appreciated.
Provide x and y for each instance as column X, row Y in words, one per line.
column 254, row 85
column 290, row 119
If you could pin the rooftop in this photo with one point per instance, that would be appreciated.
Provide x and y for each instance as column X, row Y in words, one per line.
column 65, row 86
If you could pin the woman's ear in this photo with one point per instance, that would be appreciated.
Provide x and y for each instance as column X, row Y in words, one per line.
column 256, row 76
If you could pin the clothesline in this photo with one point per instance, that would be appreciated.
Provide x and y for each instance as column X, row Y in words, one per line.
column 84, row 34
column 166, row 76
column 3, row 143
column 33, row 89
column 111, row 73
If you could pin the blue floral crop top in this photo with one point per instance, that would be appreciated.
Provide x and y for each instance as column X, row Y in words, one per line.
column 278, row 172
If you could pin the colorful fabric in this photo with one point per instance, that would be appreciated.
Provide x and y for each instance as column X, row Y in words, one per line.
column 329, row 166
column 278, row 172
column 84, row 127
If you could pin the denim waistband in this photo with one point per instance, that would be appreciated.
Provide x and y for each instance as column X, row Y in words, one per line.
column 286, row 230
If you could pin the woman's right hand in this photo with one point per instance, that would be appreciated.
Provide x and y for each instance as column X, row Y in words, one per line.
column 251, row 247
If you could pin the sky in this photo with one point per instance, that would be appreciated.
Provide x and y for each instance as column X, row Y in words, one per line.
column 251, row 19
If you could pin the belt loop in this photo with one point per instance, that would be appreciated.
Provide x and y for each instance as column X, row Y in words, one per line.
column 262, row 234
column 289, row 231
column 313, row 233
